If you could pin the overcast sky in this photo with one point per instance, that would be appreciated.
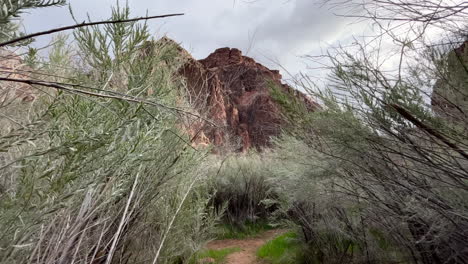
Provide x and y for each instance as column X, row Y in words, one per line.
column 271, row 31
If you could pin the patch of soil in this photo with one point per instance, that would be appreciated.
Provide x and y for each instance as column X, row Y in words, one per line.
column 249, row 247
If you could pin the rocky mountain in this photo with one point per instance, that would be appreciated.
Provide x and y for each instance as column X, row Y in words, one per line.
column 235, row 93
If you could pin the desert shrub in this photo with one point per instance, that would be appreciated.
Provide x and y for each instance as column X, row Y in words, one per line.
column 379, row 188
column 310, row 202
column 395, row 167
column 100, row 171
column 241, row 187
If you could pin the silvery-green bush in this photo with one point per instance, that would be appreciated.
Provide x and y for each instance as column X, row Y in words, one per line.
column 103, row 178
column 396, row 166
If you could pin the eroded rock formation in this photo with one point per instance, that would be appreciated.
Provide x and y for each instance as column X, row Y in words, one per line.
column 235, row 93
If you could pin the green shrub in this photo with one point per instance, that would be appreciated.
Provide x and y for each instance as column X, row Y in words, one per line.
column 241, row 187
column 103, row 178
column 387, row 170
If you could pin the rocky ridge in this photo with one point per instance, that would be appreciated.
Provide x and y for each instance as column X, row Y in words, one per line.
column 235, row 93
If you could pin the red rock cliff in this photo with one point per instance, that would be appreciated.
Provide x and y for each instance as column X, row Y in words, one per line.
column 235, row 93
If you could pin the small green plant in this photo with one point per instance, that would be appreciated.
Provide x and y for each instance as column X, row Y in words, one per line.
column 283, row 249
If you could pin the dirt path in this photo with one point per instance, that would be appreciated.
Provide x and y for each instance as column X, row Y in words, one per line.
column 248, row 247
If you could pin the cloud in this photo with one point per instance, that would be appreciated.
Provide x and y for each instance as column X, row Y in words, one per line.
column 271, row 31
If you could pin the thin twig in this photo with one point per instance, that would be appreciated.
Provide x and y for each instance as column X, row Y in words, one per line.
column 84, row 24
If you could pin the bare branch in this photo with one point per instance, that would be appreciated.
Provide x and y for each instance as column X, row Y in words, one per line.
column 84, row 24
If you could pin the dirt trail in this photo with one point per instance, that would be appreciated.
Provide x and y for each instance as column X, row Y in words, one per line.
column 248, row 247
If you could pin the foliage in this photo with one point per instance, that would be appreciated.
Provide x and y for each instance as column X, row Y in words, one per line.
column 281, row 250
column 387, row 171
column 241, row 187
column 100, row 171
column 12, row 9
column 94, row 179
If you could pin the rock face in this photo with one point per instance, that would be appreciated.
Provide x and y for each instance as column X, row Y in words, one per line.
column 11, row 66
column 450, row 94
column 235, row 92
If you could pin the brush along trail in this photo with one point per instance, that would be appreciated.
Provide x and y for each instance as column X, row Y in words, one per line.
column 248, row 246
